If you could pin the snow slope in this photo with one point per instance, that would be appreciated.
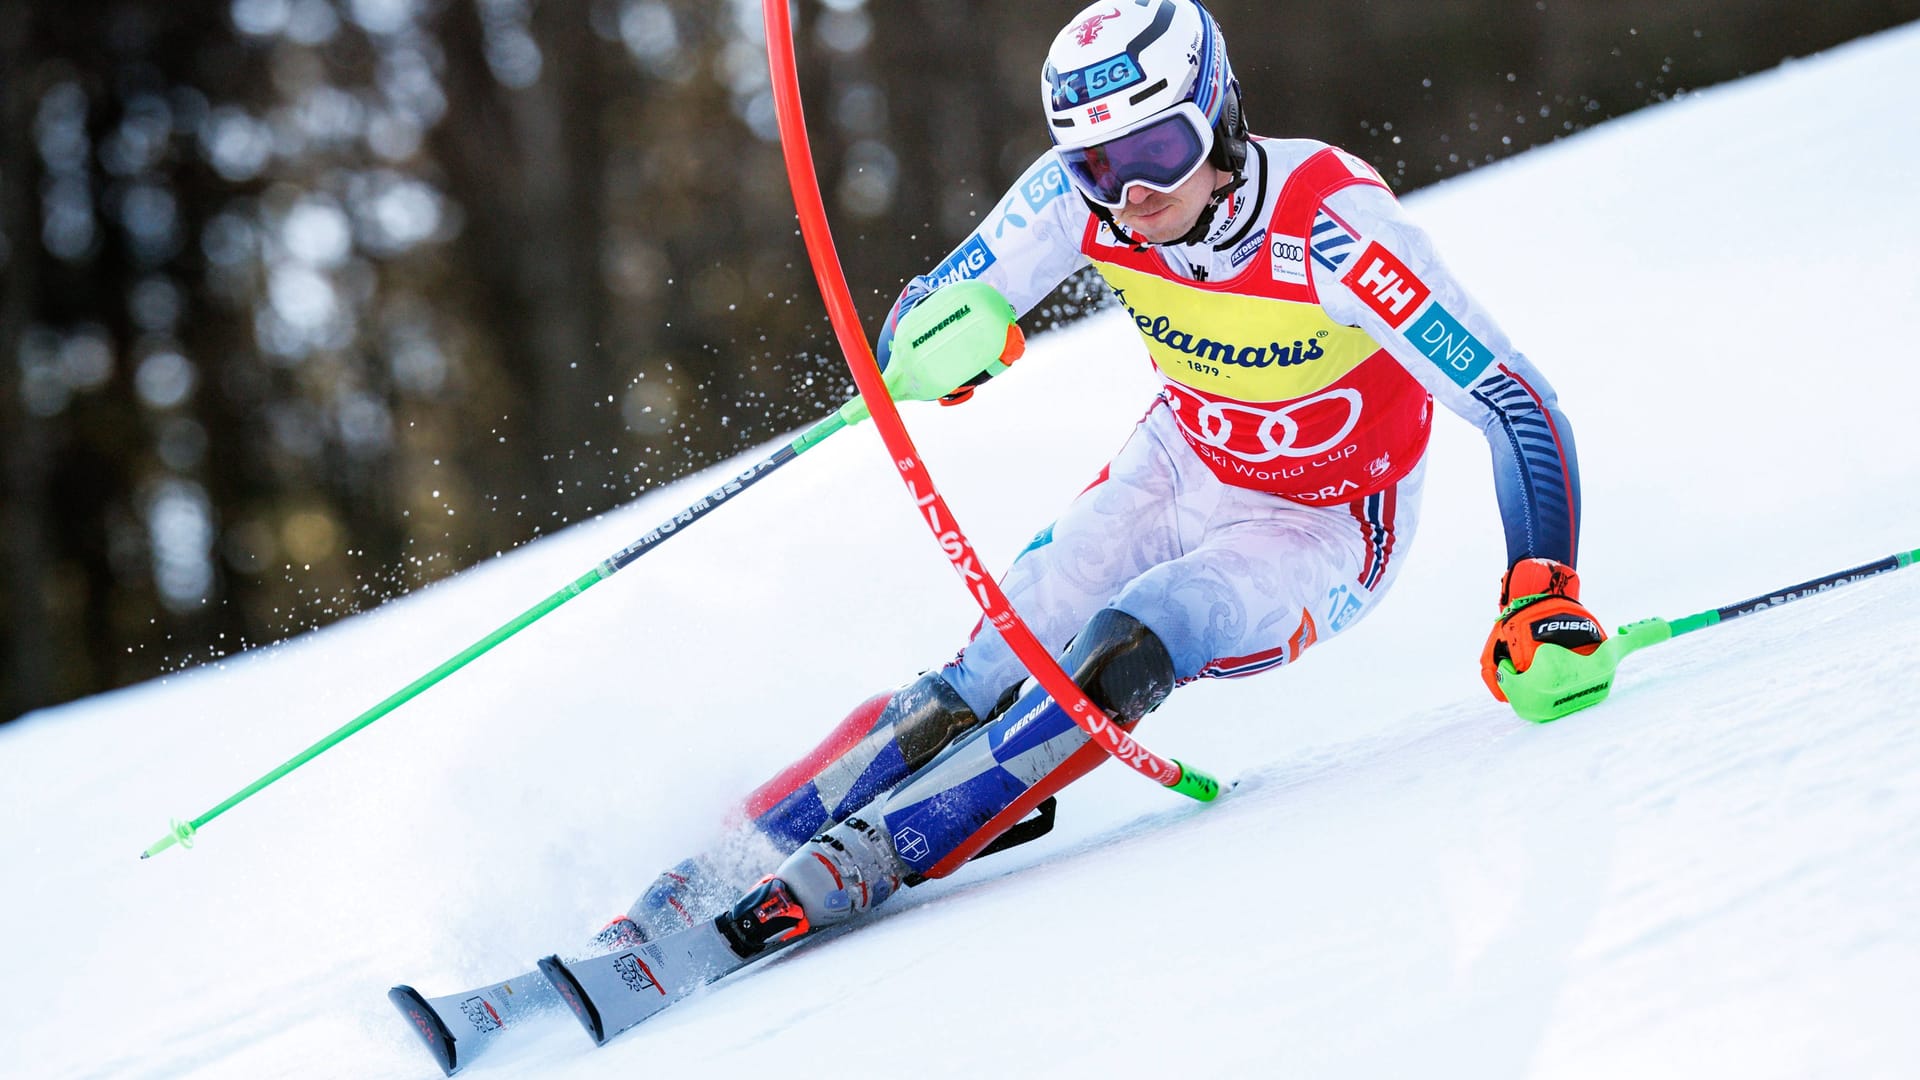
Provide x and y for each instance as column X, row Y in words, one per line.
column 1715, row 874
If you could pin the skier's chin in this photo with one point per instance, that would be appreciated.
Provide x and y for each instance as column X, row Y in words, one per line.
column 1158, row 226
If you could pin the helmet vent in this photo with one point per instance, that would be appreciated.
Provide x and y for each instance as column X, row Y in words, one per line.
column 1147, row 93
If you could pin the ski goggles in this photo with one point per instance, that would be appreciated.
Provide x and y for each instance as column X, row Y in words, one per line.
column 1160, row 154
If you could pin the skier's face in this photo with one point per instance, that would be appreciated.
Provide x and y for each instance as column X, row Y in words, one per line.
column 1161, row 217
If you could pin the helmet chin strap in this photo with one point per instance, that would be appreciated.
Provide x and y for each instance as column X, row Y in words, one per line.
column 1100, row 211
column 1214, row 202
column 1192, row 236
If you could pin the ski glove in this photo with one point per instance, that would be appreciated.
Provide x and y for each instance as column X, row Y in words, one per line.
column 1539, row 605
column 960, row 336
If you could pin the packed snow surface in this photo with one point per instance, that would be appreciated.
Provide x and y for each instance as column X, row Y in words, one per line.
column 1716, row 873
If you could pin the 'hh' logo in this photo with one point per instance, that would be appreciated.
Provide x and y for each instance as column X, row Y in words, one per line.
column 1387, row 286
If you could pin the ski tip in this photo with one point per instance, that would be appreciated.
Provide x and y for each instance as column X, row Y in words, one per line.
column 426, row 1023
column 576, row 998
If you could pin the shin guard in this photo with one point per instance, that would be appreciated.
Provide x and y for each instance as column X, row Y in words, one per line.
column 973, row 791
column 897, row 733
column 988, row 781
column 875, row 747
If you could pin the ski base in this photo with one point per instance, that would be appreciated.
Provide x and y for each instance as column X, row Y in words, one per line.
column 609, row 994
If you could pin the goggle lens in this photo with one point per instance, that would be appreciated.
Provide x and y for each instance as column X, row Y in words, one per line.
column 1161, row 154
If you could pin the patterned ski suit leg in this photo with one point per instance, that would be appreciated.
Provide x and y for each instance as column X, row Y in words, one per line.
column 1130, row 519
column 860, row 758
column 1125, row 522
column 1071, row 570
column 1247, row 583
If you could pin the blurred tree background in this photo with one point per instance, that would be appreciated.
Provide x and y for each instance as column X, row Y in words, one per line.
column 309, row 302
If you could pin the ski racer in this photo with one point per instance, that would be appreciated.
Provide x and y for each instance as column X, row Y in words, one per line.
column 1302, row 329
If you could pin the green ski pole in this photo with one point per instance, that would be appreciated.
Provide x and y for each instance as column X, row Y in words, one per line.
column 928, row 377
column 1561, row 681
column 182, row 833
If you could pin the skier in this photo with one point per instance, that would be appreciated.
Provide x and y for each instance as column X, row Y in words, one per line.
column 1302, row 328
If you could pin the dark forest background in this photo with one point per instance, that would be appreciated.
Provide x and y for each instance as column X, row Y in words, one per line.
column 305, row 303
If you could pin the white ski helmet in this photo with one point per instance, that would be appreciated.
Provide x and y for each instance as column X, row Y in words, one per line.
column 1140, row 92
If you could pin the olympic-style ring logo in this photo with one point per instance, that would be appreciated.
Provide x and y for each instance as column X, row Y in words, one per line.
column 1213, row 424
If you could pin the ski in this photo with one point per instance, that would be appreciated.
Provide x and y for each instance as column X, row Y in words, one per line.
column 457, row 1028
column 625, row 979
column 611, row 993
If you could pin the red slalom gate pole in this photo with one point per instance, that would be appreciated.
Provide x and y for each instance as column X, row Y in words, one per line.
column 906, row 457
